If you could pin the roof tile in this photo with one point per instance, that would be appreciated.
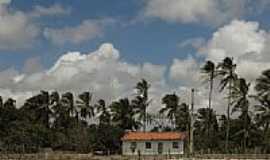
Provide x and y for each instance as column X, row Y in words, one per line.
column 129, row 136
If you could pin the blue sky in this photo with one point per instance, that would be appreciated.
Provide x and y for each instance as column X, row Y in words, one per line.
column 150, row 40
column 106, row 46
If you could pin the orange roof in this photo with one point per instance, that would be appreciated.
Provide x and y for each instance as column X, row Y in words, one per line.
column 129, row 136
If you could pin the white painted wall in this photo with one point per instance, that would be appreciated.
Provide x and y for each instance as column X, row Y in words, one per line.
column 167, row 148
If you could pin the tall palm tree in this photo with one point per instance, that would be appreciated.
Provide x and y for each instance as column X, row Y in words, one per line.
column 226, row 70
column 104, row 115
column 141, row 101
column 263, row 83
column 123, row 115
column 240, row 103
column 86, row 110
column 209, row 69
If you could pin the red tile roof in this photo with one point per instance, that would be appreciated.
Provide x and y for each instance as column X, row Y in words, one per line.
column 129, row 136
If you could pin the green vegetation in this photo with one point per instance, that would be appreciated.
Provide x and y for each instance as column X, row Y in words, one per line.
column 68, row 123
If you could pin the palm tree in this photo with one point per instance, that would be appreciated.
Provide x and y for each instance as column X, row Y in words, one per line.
column 209, row 69
column 87, row 110
column 171, row 102
column 67, row 101
column 263, row 97
column 104, row 117
column 226, row 69
column 141, row 101
column 202, row 127
column 241, row 103
column 123, row 115
column 263, row 83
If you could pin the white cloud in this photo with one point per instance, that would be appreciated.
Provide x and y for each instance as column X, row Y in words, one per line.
column 193, row 42
column 245, row 42
column 87, row 30
column 16, row 29
column 53, row 10
column 101, row 72
column 185, row 72
column 214, row 12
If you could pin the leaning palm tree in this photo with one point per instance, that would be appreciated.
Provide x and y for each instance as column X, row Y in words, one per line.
column 83, row 103
column 226, row 70
column 141, row 101
column 241, row 103
column 209, row 69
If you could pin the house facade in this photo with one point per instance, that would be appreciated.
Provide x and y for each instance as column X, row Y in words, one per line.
column 153, row 143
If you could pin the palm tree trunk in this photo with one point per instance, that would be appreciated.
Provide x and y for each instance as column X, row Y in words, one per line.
column 265, row 133
column 228, row 116
column 245, row 130
column 210, row 103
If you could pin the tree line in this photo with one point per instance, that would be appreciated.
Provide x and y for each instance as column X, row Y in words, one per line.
column 67, row 123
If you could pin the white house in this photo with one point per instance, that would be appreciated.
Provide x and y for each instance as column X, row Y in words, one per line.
column 153, row 143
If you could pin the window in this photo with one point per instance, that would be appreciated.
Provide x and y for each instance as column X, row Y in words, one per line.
column 133, row 146
column 148, row 145
column 175, row 145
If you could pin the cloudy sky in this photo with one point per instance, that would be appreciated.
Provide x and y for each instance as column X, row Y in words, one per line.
column 107, row 46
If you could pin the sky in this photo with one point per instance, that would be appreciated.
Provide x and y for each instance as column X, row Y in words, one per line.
column 107, row 46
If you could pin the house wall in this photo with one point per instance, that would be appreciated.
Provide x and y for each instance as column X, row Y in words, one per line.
column 167, row 148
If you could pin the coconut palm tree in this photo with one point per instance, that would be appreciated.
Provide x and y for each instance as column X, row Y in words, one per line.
column 263, row 116
column 263, row 83
column 171, row 102
column 104, row 115
column 141, row 101
column 226, row 70
column 209, row 69
column 202, row 125
column 86, row 110
column 67, row 101
column 123, row 115
column 240, row 103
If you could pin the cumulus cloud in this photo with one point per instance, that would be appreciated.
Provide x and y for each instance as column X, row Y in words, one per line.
column 87, row 30
column 101, row 72
column 245, row 42
column 215, row 12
